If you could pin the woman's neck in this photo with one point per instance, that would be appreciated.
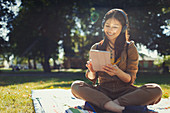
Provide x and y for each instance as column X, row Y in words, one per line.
column 112, row 43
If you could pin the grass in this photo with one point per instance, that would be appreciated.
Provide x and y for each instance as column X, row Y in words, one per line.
column 9, row 71
column 15, row 90
column 162, row 79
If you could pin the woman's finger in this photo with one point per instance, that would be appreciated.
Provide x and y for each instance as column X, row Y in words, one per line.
column 111, row 73
column 108, row 67
column 114, row 66
column 89, row 66
column 88, row 62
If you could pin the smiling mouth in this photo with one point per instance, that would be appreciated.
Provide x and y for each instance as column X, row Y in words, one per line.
column 110, row 34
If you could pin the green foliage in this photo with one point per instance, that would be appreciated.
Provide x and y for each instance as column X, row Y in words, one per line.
column 41, row 24
column 159, row 61
column 40, row 21
column 167, row 60
column 150, row 18
column 6, row 17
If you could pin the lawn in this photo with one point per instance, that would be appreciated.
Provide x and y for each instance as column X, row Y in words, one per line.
column 15, row 90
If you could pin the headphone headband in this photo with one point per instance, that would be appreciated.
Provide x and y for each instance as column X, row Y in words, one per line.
column 123, row 13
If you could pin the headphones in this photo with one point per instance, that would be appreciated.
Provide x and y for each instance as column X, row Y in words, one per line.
column 126, row 19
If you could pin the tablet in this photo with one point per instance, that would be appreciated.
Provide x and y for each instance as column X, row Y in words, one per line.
column 99, row 58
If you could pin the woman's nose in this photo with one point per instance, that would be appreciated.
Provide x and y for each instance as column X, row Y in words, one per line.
column 110, row 29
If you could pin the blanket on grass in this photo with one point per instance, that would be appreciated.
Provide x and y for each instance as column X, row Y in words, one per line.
column 62, row 101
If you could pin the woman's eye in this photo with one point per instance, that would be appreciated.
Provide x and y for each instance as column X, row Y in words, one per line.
column 115, row 27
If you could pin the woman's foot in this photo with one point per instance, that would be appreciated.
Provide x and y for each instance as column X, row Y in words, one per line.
column 114, row 107
column 136, row 109
column 88, row 106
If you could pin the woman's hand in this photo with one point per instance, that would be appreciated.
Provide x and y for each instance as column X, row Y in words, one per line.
column 115, row 70
column 89, row 66
column 111, row 69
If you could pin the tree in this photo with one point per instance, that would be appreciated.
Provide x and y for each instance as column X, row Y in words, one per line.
column 41, row 24
column 34, row 31
column 38, row 28
column 146, row 18
column 6, row 17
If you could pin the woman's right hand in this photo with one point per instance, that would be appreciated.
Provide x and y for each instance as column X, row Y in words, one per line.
column 89, row 66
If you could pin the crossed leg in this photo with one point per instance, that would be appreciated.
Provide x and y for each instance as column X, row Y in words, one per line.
column 145, row 95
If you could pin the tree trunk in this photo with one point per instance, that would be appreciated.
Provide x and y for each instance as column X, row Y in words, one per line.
column 29, row 63
column 35, row 65
column 46, row 65
column 67, row 63
column 165, row 68
column 54, row 64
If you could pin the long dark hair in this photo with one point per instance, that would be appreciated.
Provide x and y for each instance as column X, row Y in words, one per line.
column 120, row 41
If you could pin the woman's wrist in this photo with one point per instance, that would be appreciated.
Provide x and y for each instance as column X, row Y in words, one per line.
column 124, row 76
column 91, row 75
column 93, row 72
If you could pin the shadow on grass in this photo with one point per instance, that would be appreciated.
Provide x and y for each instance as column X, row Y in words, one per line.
column 20, row 78
column 143, row 78
column 12, row 79
column 57, row 86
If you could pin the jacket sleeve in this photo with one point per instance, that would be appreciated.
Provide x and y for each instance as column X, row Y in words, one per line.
column 87, row 72
column 132, row 62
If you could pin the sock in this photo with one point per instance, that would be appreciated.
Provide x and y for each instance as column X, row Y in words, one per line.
column 135, row 109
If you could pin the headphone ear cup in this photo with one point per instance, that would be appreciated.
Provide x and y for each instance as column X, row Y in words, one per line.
column 103, row 23
column 124, row 29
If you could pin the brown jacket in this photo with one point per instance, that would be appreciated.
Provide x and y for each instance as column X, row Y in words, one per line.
column 131, row 68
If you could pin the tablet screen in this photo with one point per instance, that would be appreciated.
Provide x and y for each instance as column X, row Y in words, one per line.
column 99, row 58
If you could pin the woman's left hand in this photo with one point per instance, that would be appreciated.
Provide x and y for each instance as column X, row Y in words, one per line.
column 111, row 69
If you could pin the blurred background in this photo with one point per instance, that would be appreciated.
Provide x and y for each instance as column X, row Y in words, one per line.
column 53, row 35
column 44, row 44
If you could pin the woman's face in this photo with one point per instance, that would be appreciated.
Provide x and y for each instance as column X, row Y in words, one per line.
column 112, row 28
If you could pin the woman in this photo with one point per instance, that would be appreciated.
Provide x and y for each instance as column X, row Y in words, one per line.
column 115, row 91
